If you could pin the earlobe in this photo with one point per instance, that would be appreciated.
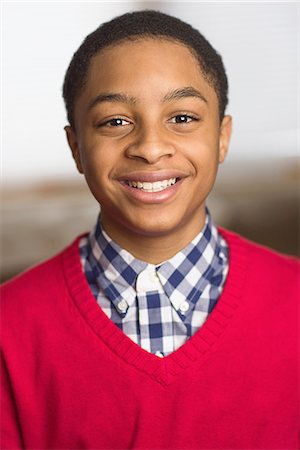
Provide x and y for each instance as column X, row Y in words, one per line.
column 224, row 138
column 73, row 144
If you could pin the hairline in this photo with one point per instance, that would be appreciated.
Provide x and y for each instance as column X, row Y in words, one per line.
column 144, row 37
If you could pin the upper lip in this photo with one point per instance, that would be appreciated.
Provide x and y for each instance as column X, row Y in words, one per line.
column 151, row 177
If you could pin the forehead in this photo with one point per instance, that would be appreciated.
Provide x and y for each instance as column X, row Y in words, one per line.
column 150, row 46
column 142, row 59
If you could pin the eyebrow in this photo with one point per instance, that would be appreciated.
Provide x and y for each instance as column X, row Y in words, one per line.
column 176, row 94
column 112, row 97
column 184, row 92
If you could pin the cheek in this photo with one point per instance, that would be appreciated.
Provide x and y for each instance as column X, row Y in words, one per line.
column 203, row 156
column 96, row 160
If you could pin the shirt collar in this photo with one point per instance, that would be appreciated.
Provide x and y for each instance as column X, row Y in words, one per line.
column 191, row 270
column 183, row 276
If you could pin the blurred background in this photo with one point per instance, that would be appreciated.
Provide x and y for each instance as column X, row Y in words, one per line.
column 45, row 203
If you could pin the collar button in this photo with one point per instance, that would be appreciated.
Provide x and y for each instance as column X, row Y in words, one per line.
column 184, row 307
column 122, row 306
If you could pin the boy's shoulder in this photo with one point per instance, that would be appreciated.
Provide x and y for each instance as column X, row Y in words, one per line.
column 41, row 281
column 260, row 258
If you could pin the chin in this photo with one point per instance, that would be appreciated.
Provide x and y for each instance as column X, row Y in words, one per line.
column 156, row 227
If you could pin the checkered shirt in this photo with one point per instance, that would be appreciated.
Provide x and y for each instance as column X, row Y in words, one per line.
column 158, row 306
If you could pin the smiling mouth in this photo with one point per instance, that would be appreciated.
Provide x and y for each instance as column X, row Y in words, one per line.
column 157, row 186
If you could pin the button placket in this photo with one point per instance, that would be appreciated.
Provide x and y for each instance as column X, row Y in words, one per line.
column 148, row 284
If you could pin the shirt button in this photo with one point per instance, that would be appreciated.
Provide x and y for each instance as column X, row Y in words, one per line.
column 147, row 280
column 184, row 307
column 153, row 276
column 122, row 305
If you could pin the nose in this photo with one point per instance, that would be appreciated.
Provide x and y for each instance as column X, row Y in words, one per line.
column 150, row 145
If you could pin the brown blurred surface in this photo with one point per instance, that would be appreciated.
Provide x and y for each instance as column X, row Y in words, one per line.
column 259, row 200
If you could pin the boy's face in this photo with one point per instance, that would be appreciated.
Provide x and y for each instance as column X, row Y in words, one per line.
column 146, row 119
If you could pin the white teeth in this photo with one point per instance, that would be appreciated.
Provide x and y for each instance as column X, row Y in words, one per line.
column 152, row 187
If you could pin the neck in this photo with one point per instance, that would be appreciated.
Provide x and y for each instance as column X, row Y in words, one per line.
column 154, row 249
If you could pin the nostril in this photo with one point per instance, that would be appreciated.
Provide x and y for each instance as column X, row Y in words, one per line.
column 149, row 150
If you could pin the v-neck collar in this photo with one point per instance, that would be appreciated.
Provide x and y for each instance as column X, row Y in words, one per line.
column 163, row 370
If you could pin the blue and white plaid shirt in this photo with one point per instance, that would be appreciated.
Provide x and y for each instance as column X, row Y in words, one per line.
column 158, row 306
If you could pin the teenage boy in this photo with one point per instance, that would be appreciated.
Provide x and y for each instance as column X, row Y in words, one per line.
column 157, row 330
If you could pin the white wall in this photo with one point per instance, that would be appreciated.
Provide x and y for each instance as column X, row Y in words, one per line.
column 258, row 42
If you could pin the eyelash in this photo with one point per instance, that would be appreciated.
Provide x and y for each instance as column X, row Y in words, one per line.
column 190, row 118
column 186, row 116
column 108, row 122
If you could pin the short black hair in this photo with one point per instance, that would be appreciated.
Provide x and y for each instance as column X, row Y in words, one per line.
column 139, row 24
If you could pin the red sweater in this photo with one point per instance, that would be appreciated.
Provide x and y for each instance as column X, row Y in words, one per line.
column 73, row 380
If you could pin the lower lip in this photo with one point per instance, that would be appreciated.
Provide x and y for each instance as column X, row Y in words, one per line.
column 152, row 197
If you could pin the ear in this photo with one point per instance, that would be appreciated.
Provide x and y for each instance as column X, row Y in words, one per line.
column 73, row 144
column 224, row 137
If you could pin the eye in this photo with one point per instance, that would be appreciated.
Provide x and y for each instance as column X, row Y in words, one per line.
column 183, row 118
column 115, row 122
